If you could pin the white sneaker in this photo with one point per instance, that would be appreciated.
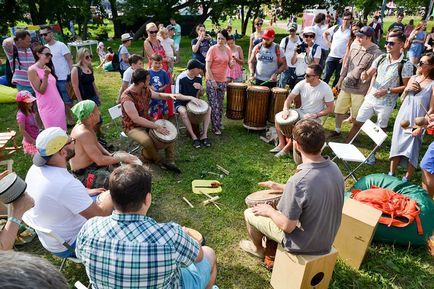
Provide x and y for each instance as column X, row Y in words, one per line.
column 281, row 154
column 275, row 150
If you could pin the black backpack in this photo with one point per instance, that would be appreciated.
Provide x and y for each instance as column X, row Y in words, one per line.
column 116, row 65
column 10, row 71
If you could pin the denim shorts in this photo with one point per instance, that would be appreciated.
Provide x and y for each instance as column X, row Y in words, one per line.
column 197, row 275
column 61, row 87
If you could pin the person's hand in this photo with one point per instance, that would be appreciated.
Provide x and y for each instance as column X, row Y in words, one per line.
column 201, row 36
column 270, row 184
column 274, row 77
column 197, row 85
column 364, row 76
column 285, row 113
column 263, row 210
column 380, row 93
column 310, row 116
column 415, row 87
column 47, row 70
column 21, row 205
column 251, row 77
column 4, row 174
column 416, row 132
column 338, row 85
column 162, row 129
column 430, row 119
column 129, row 159
column 195, row 100
column 94, row 192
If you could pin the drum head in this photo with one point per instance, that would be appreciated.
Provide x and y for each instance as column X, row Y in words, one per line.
column 237, row 84
column 258, row 88
column 292, row 117
column 279, row 89
column 264, row 195
column 173, row 133
column 198, row 109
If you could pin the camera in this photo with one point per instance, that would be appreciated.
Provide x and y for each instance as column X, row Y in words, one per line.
column 301, row 48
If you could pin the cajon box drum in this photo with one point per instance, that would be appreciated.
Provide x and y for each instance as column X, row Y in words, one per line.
column 236, row 100
column 302, row 271
column 255, row 117
column 278, row 97
column 355, row 234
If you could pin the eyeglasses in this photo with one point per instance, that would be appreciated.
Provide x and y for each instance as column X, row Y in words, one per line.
column 347, row 19
column 44, row 34
column 153, row 32
column 259, row 23
column 309, row 36
column 88, row 57
column 309, row 75
column 48, row 54
column 390, row 43
column 71, row 141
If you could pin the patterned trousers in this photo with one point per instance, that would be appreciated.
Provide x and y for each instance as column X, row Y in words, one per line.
column 216, row 97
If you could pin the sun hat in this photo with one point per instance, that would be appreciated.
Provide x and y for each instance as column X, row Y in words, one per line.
column 49, row 142
column 25, row 96
column 126, row 37
column 11, row 188
column 308, row 29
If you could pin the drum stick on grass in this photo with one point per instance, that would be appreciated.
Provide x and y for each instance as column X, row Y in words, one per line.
column 188, row 202
column 225, row 171
column 211, row 199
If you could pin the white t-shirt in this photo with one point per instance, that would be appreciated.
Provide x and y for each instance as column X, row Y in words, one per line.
column 313, row 98
column 59, row 199
column 61, row 67
column 128, row 74
column 289, row 51
column 167, row 45
column 340, row 41
column 319, row 39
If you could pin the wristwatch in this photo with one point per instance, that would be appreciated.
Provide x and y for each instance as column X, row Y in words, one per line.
column 389, row 91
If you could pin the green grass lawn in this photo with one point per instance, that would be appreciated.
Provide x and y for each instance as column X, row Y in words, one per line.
column 248, row 160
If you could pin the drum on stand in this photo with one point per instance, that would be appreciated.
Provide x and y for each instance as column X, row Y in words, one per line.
column 278, row 97
column 196, row 113
column 255, row 117
column 286, row 125
column 236, row 99
column 270, row 197
column 162, row 141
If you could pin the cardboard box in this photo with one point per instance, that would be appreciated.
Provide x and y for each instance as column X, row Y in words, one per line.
column 355, row 234
column 302, row 271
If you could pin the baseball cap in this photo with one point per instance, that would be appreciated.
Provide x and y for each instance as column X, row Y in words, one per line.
column 49, row 142
column 366, row 31
column 170, row 27
column 308, row 29
column 293, row 26
column 268, row 34
column 25, row 96
column 194, row 63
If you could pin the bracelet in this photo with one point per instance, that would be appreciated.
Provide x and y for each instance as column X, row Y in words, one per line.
column 14, row 220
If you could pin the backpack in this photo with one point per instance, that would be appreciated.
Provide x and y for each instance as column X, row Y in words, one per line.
column 395, row 207
column 116, row 64
column 11, row 70
column 287, row 40
column 277, row 47
column 400, row 66
column 334, row 31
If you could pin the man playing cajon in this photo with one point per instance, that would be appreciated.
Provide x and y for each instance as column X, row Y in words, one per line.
column 309, row 213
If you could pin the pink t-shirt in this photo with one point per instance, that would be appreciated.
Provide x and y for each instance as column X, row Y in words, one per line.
column 219, row 62
column 29, row 124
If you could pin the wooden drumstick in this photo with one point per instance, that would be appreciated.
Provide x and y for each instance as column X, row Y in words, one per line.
column 188, row 202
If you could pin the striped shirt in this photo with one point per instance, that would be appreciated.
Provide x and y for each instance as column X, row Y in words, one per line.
column 134, row 251
column 24, row 60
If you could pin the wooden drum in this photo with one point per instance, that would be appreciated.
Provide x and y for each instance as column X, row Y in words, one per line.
column 236, row 99
column 196, row 235
column 270, row 197
column 162, row 141
column 196, row 113
column 278, row 97
column 286, row 125
column 255, row 117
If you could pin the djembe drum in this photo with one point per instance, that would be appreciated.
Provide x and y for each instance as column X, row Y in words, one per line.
column 270, row 197
column 162, row 141
column 278, row 97
column 286, row 125
column 255, row 117
column 196, row 113
column 236, row 99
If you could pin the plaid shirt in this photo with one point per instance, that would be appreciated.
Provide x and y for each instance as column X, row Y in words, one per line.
column 134, row 251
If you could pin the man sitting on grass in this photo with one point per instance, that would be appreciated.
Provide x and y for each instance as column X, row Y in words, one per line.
column 92, row 162
column 309, row 213
column 131, row 250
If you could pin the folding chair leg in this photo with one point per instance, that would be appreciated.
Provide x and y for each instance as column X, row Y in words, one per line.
column 351, row 172
column 62, row 264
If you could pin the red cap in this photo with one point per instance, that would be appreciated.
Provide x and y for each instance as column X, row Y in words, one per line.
column 268, row 34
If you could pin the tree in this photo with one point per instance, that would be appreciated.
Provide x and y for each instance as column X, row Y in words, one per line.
column 14, row 13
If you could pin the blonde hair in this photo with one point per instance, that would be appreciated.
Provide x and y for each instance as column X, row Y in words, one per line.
column 162, row 31
column 81, row 53
column 151, row 25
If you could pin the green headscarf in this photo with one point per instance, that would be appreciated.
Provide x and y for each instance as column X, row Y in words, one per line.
column 83, row 109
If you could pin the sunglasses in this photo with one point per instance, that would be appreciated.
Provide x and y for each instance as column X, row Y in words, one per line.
column 153, row 32
column 309, row 36
column 259, row 23
column 48, row 54
column 88, row 57
column 44, row 34
column 390, row 43
column 71, row 141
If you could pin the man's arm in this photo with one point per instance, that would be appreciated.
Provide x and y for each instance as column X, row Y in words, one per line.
column 90, row 145
column 68, row 59
column 102, row 207
column 278, row 218
column 132, row 113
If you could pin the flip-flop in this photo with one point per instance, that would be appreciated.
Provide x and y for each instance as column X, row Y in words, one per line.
column 249, row 247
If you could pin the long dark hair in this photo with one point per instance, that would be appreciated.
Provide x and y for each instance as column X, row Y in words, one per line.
column 430, row 56
column 39, row 49
column 24, row 108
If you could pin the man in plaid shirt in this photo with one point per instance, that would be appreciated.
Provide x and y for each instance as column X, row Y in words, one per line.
column 130, row 250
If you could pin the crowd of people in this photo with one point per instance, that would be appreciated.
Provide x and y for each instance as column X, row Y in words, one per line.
column 99, row 207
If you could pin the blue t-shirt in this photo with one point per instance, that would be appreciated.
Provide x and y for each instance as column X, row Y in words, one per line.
column 204, row 46
column 158, row 78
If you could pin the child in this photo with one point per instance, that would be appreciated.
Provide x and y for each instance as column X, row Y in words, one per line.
column 26, row 120
column 169, row 46
column 235, row 73
column 135, row 61
column 159, row 81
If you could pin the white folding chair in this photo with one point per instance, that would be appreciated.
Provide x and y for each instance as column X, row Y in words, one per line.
column 115, row 113
column 347, row 152
column 51, row 234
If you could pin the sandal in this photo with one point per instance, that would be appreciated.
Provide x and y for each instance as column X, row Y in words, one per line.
column 206, row 142
column 249, row 247
column 196, row 143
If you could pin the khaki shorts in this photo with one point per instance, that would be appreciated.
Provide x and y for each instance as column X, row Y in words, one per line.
column 348, row 100
column 264, row 225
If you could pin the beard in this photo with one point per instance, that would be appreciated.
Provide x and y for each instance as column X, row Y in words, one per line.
column 70, row 153
column 268, row 44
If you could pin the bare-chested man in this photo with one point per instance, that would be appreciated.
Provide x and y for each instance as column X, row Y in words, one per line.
column 92, row 162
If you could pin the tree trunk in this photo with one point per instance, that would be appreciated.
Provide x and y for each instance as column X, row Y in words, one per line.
column 254, row 17
column 34, row 14
column 116, row 24
column 246, row 21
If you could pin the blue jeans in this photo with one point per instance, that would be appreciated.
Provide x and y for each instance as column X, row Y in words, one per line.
column 332, row 65
column 61, row 87
column 324, row 54
column 288, row 77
